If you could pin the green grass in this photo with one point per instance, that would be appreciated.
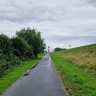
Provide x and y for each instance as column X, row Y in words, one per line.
column 77, row 81
column 18, row 71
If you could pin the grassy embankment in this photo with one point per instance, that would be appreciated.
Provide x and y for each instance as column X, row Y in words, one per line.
column 16, row 72
column 77, row 69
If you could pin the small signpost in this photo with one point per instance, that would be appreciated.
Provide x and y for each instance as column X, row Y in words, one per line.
column 69, row 45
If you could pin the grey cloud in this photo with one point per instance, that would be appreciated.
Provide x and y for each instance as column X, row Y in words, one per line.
column 69, row 20
column 92, row 2
column 15, row 12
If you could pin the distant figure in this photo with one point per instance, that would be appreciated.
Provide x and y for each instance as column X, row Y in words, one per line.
column 48, row 49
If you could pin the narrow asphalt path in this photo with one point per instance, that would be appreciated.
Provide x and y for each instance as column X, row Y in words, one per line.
column 41, row 81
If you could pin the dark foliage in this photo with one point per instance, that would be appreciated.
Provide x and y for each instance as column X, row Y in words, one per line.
column 7, row 62
column 58, row 49
column 33, row 38
column 5, row 44
column 20, row 47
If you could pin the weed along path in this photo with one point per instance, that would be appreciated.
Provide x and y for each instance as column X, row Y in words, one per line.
column 42, row 80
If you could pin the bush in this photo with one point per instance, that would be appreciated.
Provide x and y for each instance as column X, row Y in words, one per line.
column 5, row 44
column 8, row 61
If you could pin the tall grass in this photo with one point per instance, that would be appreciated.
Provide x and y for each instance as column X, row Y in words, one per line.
column 83, row 58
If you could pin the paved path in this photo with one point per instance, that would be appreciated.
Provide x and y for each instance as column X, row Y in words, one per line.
column 41, row 81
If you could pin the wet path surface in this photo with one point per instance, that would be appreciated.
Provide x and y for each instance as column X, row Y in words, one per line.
column 41, row 81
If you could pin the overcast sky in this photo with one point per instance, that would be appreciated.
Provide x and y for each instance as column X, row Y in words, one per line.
column 62, row 22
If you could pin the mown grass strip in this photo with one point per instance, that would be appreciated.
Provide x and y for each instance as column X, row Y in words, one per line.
column 76, row 81
column 18, row 71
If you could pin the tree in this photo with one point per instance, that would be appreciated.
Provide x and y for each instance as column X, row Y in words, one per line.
column 33, row 38
column 20, row 46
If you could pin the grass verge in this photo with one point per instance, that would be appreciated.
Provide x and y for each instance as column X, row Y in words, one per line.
column 17, row 72
column 77, row 81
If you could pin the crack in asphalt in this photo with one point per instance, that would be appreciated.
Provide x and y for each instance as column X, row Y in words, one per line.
column 27, row 73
